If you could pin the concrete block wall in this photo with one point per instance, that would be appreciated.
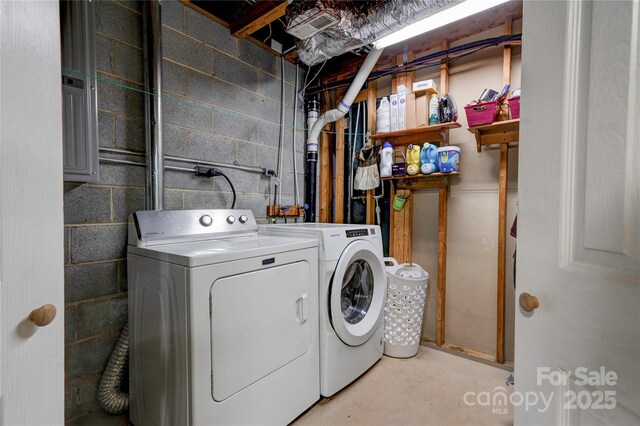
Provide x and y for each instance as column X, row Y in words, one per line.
column 221, row 102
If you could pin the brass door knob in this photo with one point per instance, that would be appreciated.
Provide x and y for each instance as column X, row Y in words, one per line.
column 528, row 302
column 43, row 315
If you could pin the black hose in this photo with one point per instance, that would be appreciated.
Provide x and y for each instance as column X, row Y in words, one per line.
column 233, row 190
column 211, row 172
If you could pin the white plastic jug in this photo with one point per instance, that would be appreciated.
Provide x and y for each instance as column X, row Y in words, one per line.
column 386, row 160
column 383, row 116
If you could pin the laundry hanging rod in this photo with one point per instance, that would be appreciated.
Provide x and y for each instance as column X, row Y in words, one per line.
column 253, row 169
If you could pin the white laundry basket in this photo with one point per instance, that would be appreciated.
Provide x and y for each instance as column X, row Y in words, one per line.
column 406, row 294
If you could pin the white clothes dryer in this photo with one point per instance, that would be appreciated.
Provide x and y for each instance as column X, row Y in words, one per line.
column 352, row 284
column 223, row 321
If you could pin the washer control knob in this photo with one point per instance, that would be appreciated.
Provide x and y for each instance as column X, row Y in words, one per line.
column 244, row 218
column 206, row 220
column 231, row 219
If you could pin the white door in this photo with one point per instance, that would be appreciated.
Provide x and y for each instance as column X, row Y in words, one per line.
column 578, row 354
column 31, row 224
column 357, row 293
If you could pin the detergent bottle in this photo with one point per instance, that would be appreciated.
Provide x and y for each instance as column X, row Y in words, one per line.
column 383, row 116
column 386, row 160
column 429, row 158
column 413, row 159
column 433, row 110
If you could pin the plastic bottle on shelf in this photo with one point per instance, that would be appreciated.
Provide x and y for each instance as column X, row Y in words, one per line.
column 428, row 159
column 433, row 110
column 413, row 159
column 386, row 160
column 383, row 116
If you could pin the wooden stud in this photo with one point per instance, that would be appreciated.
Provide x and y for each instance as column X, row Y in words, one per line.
column 326, row 175
column 260, row 14
column 372, row 90
column 443, row 196
column 506, row 54
column 502, row 237
column 444, row 70
column 339, row 183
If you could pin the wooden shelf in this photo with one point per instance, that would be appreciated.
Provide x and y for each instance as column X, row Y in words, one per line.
column 500, row 132
column 434, row 180
column 434, row 134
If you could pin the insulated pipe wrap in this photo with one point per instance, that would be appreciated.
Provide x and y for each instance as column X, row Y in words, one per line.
column 111, row 398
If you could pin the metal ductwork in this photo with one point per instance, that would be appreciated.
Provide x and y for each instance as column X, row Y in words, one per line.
column 358, row 24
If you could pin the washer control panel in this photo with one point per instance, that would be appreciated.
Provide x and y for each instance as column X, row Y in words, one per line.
column 152, row 227
column 352, row 233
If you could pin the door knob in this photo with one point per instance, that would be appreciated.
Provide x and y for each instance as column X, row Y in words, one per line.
column 528, row 302
column 43, row 315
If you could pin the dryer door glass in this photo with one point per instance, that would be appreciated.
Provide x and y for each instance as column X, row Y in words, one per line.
column 357, row 291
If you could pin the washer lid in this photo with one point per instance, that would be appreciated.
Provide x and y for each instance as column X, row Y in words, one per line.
column 200, row 253
column 357, row 293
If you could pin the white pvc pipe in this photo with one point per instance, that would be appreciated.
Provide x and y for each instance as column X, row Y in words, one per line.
column 345, row 103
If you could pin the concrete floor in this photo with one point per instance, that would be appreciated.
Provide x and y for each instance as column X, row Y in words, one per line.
column 428, row 389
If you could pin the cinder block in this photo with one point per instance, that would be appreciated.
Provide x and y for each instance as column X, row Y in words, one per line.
column 186, row 51
column 290, row 74
column 269, row 133
column 259, row 106
column 211, row 90
column 123, row 279
column 287, row 163
column 235, row 126
column 86, row 396
column 127, row 201
column 86, row 204
column 269, row 85
column 119, row 174
column 252, row 154
column 128, row 62
column 257, row 56
column 182, row 180
column 67, row 241
column 286, row 180
column 208, row 147
column 95, row 243
column 174, row 141
column 88, row 357
column 106, row 133
column 69, row 324
column 257, row 203
column 114, row 96
column 187, row 113
column 173, row 14
column 243, row 181
column 118, row 22
column 232, row 70
column 99, row 317
column 210, row 32
column 104, row 54
column 173, row 199
column 174, row 78
column 91, row 280
column 207, row 200
column 130, row 133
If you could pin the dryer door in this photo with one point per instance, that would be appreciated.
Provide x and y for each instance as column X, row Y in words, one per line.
column 357, row 293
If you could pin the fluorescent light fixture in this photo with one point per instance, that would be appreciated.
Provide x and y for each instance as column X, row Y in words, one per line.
column 437, row 20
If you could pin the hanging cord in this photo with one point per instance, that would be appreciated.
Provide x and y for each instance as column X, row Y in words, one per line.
column 211, row 172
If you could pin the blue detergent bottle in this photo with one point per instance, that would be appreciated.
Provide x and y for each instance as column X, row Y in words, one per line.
column 428, row 158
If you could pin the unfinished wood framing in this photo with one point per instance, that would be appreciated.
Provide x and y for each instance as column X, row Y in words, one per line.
column 502, row 251
column 338, row 216
column 327, row 136
column 372, row 90
column 261, row 13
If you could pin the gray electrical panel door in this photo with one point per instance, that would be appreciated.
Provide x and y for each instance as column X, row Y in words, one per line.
column 80, row 102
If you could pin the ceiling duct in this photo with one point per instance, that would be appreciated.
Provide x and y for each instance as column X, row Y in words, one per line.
column 358, row 23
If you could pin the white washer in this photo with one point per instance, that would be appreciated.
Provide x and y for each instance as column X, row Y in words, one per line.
column 353, row 284
column 223, row 321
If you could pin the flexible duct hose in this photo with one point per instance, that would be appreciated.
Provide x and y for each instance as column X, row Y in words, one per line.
column 111, row 398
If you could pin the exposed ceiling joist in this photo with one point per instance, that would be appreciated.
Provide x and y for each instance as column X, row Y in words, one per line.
column 262, row 13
